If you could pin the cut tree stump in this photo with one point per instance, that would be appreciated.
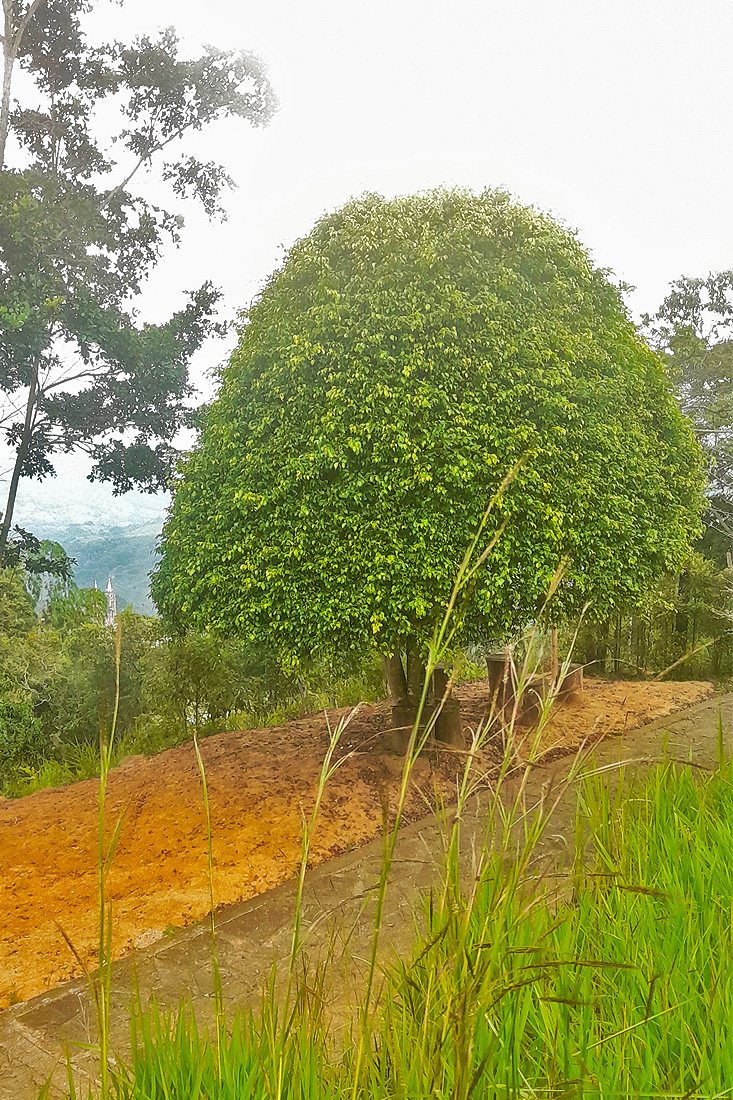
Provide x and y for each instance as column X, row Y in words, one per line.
column 448, row 728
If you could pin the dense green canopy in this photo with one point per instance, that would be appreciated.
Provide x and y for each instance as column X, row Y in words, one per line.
column 405, row 356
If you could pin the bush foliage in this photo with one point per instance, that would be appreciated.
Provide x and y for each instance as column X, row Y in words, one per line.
column 21, row 736
column 57, row 685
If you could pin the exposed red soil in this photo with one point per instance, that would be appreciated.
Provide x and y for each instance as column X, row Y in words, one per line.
column 260, row 783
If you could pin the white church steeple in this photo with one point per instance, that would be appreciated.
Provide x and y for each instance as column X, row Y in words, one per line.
column 109, row 618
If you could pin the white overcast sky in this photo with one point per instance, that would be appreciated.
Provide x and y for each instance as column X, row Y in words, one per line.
column 614, row 115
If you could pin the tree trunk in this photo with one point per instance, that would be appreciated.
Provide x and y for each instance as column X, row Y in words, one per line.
column 8, row 63
column 591, row 647
column 415, row 670
column 554, row 663
column 5, row 103
column 617, row 646
column 637, row 633
column 20, row 457
column 643, row 636
column 608, row 646
column 682, row 617
column 11, row 45
column 395, row 676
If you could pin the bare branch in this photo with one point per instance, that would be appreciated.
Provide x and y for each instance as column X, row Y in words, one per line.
column 144, row 160
column 91, row 372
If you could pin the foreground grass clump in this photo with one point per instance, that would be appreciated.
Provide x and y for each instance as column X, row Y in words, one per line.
column 624, row 987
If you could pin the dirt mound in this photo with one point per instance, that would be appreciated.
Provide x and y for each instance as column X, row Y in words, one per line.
column 260, row 783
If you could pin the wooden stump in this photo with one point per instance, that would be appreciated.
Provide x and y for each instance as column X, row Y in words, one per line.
column 448, row 725
column 404, row 716
column 573, row 682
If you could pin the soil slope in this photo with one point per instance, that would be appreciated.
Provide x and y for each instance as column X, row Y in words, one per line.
column 260, row 783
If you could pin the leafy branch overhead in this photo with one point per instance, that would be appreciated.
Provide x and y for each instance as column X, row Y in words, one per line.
column 38, row 557
column 78, row 239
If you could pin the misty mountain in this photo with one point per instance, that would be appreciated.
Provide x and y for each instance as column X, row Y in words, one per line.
column 124, row 553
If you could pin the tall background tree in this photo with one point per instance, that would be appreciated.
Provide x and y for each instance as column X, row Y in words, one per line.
column 693, row 330
column 685, row 622
column 407, row 355
column 77, row 369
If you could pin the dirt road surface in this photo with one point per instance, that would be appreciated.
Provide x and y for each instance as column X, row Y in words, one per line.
column 261, row 783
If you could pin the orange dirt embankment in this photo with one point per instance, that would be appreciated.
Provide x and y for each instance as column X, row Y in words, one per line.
column 260, row 782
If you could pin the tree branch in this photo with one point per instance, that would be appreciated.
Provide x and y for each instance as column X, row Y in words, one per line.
column 150, row 153
column 67, row 378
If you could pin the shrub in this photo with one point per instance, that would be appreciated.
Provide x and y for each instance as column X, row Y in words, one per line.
column 21, row 736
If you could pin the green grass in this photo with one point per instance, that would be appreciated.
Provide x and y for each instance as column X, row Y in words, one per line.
column 624, row 988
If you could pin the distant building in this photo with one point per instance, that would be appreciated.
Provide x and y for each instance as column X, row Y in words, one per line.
column 111, row 614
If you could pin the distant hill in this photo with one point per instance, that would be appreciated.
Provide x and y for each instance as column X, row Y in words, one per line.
column 108, row 535
column 126, row 554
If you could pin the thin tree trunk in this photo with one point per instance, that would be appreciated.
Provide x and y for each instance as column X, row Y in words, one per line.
column 20, row 458
column 11, row 45
column 11, row 40
column 682, row 617
column 591, row 648
column 554, row 664
column 608, row 647
column 5, row 103
column 395, row 675
column 636, row 642
column 617, row 646
column 8, row 64
column 644, row 637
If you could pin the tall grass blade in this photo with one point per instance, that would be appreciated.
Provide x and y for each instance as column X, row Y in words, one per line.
column 220, row 1026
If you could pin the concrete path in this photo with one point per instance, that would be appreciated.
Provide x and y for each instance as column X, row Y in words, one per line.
column 337, row 917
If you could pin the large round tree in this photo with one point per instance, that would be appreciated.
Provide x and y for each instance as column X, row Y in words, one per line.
column 405, row 357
